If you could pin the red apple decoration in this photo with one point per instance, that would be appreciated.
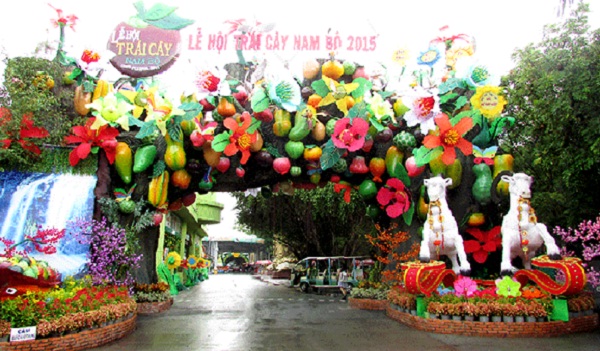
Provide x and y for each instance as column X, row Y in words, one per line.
column 241, row 97
column 197, row 139
column 360, row 73
column 282, row 165
column 158, row 217
column 264, row 116
column 223, row 164
column 207, row 106
column 411, row 167
column 240, row 172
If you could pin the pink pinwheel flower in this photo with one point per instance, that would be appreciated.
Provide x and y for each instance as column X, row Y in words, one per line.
column 395, row 196
column 350, row 134
column 465, row 286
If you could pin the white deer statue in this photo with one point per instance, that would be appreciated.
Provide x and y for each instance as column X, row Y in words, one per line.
column 440, row 232
column 522, row 235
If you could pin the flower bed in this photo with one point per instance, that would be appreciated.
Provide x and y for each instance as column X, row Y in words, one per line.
column 368, row 304
column 82, row 340
column 496, row 329
column 154, row 307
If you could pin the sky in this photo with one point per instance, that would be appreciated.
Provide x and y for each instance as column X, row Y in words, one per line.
column 499, row 27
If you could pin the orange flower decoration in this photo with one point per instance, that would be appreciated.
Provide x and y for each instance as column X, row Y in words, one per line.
column 239, row 140
column 450, row 137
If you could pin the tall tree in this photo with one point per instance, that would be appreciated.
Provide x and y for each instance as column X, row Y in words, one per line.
column 314, row 222
column 554, row 91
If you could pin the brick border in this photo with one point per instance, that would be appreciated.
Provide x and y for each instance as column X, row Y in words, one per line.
column 368, row 304
column 76, row 341
column 496, row 329
column 154, row 307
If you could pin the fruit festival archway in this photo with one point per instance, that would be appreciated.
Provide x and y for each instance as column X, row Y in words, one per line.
column 254, row 123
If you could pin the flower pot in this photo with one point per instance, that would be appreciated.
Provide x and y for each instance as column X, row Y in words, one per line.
column 413, row 312
column 445, row 317
column 588, row 312
column 574, row 315
column 530, row 319
column 508, row 319
column 469, row 318
column 434, row 316
column 484, row 318
column 519, row 319
column 496, row 318
column 541, row 319
column 457, row 318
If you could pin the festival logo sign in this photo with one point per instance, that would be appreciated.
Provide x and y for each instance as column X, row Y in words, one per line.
column 149, row 42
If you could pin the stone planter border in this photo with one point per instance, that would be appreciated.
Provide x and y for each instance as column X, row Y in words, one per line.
column 83, row 340
column 368, row 304
column 145, row 308
column 497, row 329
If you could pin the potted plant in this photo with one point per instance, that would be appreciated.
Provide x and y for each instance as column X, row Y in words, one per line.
column 469, row 311
column 495, row 311
column 483, row 310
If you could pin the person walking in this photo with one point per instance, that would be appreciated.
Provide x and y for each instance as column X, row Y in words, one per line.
column 343, row 282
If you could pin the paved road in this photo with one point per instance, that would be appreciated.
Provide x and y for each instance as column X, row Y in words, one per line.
column 234, row 312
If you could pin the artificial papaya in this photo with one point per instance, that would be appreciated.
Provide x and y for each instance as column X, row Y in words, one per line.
column 158, row 190
column 144, row 157
column 302, row 126
column 483, row 183
column 502, row 163
column 80, row 100
column 175, row 153
column 123, row 161
column 454, row 171
column 282, row 123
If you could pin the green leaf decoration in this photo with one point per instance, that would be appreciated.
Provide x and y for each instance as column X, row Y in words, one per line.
column 484, row 138
column 75, row 73
column 273, row 150
column 358, row 110
column 424, row 155
column 498, row 125
column 136, row 22
column 260, row 101
column 331, row 155
column 139, row 6
column 458, row 117
column 135, row 122
column 172, row 21
column 451, row 84
column 460, row 102
column 375, row 123
column 447, row 97
column 408, row 215
column 174, row 130
column 477, row 117
column 254, row 126
column 95, row 149
column 364, row 85
column 157, row 12
column 192, row 109
column 147, row 129
column 385, row 94
column 221, row 141
column 233, row 83
column 88, row 86
column 159, row 168
column 320, row 87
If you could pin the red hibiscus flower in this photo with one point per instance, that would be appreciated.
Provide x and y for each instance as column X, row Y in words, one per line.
column 239, row 140
column 487, row 241
column 349, row 134
column 450, row 137
column 395, row 196
column 90, row 140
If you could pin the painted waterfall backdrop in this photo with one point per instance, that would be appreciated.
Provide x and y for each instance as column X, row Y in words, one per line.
column 32, row 200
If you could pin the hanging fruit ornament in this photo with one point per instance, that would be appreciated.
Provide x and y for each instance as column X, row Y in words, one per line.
column 332, row 68
column 367, row 189
column 377, row 168
column 295, row 171
column 404, row 140
column 373, row 211
column 208, row 181
column 282, row 165
column 358, row 165
column 223, row 164
column 312, row 153
column 157, row 218
column 411, row 167
column 240, row 172
column 123, row 198
column 225, row 108
column 181, row 179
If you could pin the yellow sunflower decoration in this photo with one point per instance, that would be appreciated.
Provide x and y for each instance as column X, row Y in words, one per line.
column 173, row 260
column 488, row 101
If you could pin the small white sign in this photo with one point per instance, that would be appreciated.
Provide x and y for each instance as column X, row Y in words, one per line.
column 22, row 334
